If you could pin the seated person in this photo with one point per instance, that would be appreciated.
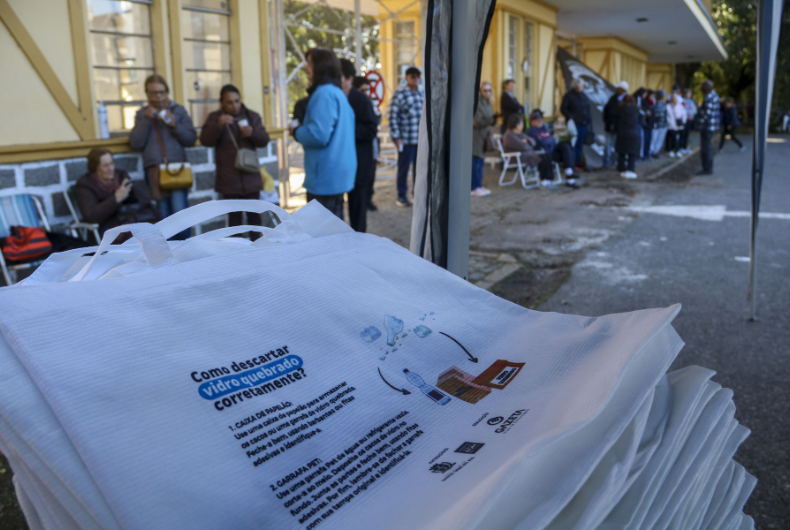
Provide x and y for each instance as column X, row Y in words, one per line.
column 107, row 196
column 515, row 141
column 554, row 152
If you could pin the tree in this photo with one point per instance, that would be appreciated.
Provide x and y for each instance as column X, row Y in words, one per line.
column 307, row 25
column 735, row 76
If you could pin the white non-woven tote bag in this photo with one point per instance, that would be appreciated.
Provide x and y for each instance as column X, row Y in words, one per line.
column 30, row 427
column 360, row 320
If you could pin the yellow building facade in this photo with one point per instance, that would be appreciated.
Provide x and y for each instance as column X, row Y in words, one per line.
column 62, row 59
column 521, row 46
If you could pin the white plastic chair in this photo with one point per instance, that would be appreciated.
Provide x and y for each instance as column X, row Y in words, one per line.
column 530, row 178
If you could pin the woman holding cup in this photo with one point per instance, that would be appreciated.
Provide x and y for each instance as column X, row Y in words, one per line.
column 163, row 130
column 229, row 129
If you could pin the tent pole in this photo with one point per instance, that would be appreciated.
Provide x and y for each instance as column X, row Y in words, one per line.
column 464, row 66
column 769, row 16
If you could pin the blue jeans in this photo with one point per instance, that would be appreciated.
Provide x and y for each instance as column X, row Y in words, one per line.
column 406, row 158
column 175, row 202
column 577, row 149
column 477, row 172
column 647, row 138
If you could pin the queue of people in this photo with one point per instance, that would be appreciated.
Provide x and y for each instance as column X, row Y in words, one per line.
column 337, row 125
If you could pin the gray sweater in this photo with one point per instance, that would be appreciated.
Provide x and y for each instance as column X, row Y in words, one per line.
column 143, row 136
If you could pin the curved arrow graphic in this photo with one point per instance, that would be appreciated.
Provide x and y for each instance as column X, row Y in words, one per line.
column 471, row 357
column 401, row 390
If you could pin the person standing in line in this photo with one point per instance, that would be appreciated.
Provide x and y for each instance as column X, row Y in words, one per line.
column 610, row 119
column 365, row 131
column 327, row 134
column 229, row 129
column 691, row 111
column 552, row 151
column 647, row 123
column 163, row 127
column 483, row 120
column 659, row 124
column 729, row 121
column 361, row 84
column 576, row 106
column 404, row 122
column 676, row 120
column 508, row 104
column 708, row 119
column 629, row 130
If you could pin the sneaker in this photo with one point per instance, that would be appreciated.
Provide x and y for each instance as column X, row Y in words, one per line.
column 672, row 154
column 480, row 192
column 485, row 191
column 624, row 174
column 630, row 175
column 403, row 202
column 372, row 207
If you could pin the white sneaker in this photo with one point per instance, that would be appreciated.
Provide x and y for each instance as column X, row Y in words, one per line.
column 630, row 175
column 672, row 154
column 484, row 191
column 480, row 192
column 624, row 174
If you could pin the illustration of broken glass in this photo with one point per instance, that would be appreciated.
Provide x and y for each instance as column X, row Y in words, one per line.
column 393, row 326
column 370, row 333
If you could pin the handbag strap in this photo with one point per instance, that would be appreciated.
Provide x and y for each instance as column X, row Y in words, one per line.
column 164, row 156
column 232, row 136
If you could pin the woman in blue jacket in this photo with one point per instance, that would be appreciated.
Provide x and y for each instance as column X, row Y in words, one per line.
column 327, row 134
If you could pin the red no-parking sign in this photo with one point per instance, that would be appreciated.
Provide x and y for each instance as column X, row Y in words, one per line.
column 376, row 82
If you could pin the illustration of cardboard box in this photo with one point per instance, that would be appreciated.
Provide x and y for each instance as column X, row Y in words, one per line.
column 499, row 374
column 459, row 384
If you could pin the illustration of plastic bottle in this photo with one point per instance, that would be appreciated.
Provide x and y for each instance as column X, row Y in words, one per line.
column 426, row 389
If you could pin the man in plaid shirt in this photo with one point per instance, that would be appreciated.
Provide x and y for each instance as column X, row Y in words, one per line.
column 404, row 121
column 708, row 120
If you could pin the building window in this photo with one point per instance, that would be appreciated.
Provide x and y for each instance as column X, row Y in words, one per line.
column 405, row 48
column 527, row 67
column 510, row 63
column 123, row 56
column 205, row 29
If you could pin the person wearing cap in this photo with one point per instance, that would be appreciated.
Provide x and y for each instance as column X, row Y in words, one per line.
column 610, row 119
column 660, row 124
column 708, row 121
column 553, row 151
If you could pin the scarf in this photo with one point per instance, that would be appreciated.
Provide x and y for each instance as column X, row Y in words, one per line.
column 108, row 186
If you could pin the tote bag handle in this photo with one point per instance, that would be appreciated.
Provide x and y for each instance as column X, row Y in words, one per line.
column 200, row 213
column 154, row 244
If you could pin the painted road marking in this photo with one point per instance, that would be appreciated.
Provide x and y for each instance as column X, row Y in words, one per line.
column 704, row 213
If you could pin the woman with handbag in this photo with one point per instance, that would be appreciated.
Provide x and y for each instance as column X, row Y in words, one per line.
column 235, row 132
column 162, row 130
column 483, row 120
column 107, row 196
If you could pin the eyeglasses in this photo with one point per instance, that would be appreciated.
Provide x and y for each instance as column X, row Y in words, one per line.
column 156, row 92
column 487, row 90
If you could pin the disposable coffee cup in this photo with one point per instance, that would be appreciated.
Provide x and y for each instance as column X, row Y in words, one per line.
column 243, row 123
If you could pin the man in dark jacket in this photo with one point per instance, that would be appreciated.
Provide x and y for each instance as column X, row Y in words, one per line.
column 610, row 119
column 365, row 132
column 508, row 104
column 229, row 129
column 575, row 106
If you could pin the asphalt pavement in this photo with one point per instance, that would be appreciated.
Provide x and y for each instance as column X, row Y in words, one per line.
column 689, row 244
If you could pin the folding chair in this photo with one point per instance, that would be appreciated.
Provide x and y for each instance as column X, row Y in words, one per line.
column 79, row 228
column 513, row 161
column 20, row 210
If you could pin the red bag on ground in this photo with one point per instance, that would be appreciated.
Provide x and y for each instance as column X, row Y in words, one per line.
column 25, row 244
